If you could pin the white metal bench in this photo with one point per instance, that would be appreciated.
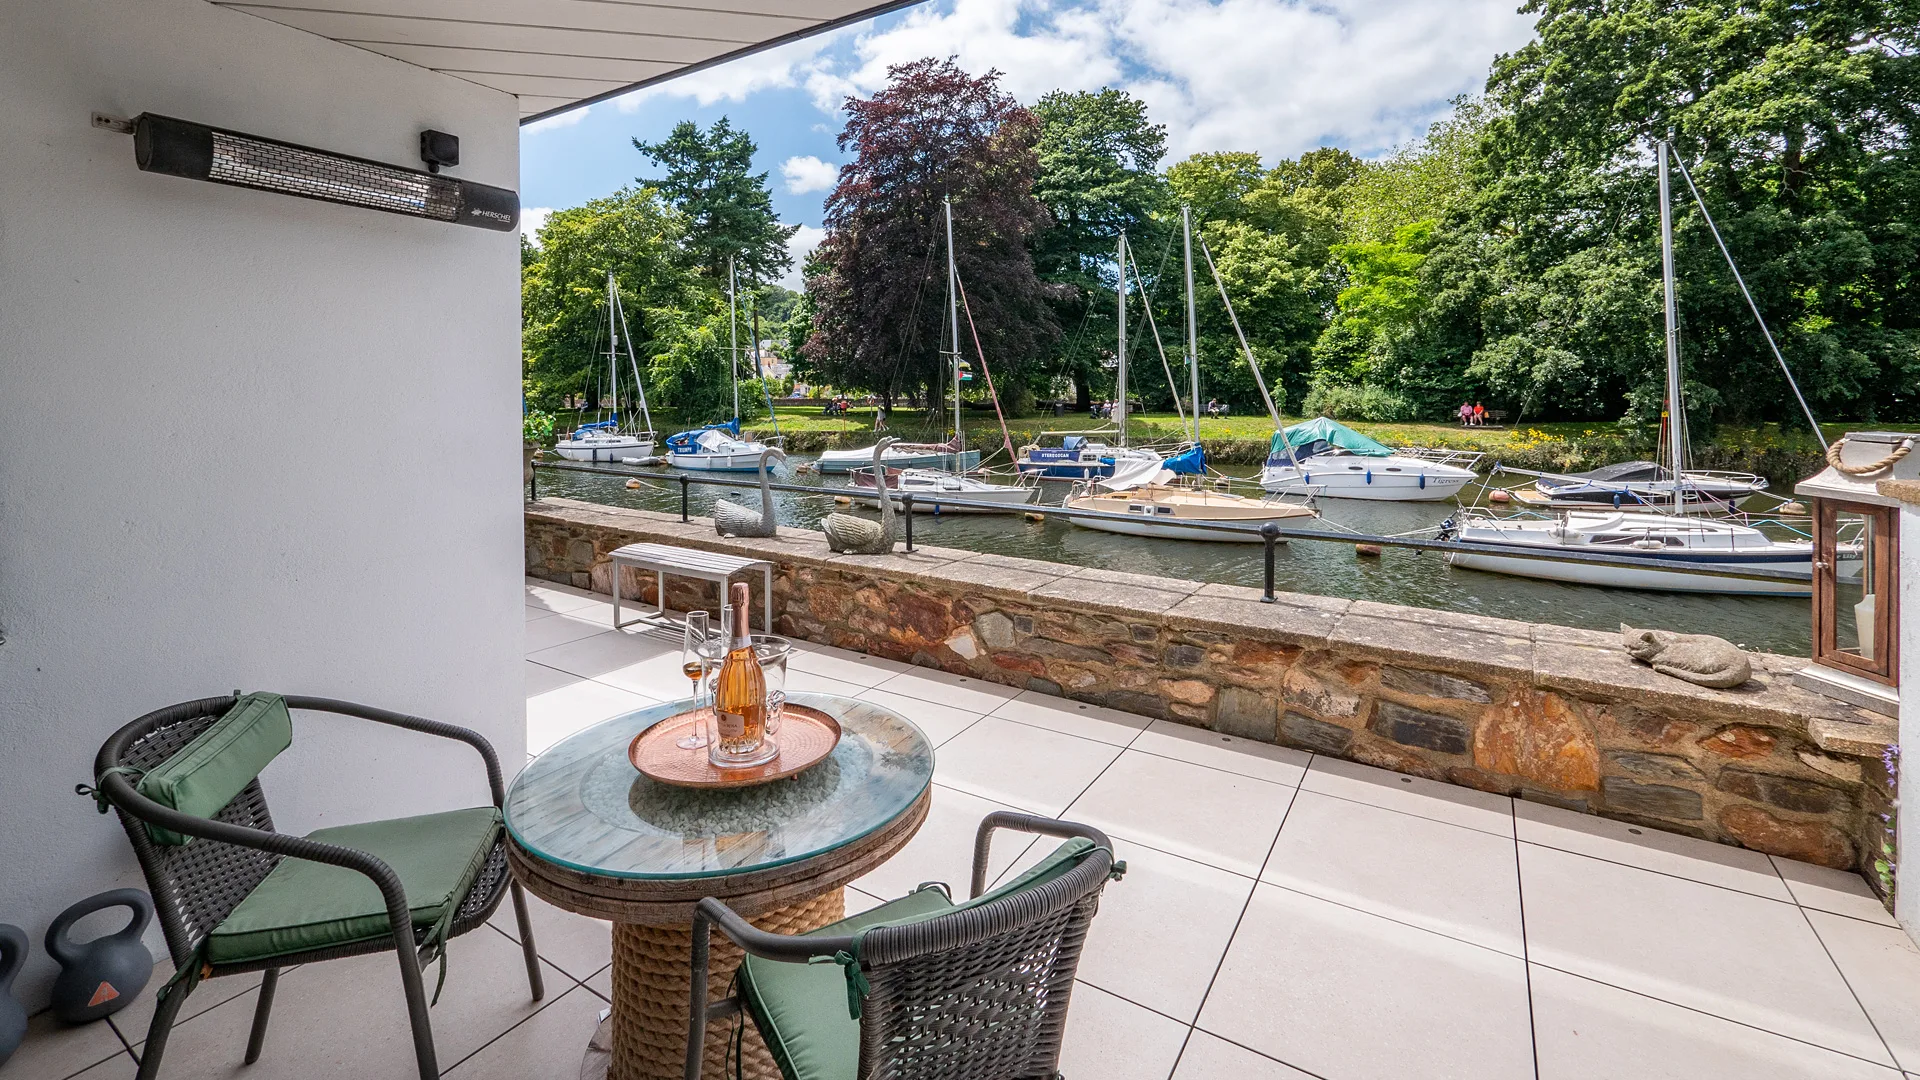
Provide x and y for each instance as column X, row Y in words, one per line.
column 663, row 560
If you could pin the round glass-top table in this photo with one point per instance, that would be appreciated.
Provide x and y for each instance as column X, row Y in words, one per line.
column 587, row 832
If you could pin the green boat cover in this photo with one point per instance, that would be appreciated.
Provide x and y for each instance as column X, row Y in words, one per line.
column 1302, row 437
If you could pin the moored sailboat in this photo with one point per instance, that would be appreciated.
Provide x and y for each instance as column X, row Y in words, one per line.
column 606, row 440
column 1653, row 538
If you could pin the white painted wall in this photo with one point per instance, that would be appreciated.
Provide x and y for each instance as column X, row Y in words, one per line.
column 245, row 440
column 1907, row 894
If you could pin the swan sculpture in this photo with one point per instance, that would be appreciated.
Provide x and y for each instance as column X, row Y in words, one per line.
column 732, row 519
column 850, row 535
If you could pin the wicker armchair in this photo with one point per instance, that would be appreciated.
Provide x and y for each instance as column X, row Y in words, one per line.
column 197, row 885
column 933, row 990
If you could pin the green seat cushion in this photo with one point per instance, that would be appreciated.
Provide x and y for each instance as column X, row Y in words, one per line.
column 204, row 775
column 304, row 905
column 801, row 1009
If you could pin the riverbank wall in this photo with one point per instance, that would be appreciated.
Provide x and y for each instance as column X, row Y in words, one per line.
column 1546, row 713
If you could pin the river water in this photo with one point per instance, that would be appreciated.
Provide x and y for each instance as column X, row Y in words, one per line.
column 1772, row 624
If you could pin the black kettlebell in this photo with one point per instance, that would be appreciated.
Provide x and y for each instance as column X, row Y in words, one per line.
column 13, row 1015
column 100, row 977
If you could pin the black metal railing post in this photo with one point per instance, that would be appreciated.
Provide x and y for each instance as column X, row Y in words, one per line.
column 533, row 484
column 686, row 482
column 906, row 502
column 1269, row 532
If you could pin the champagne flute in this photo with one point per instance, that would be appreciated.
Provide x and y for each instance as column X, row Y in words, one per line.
column 693, row 664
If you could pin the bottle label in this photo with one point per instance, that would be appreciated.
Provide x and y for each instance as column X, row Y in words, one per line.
column 732, row 725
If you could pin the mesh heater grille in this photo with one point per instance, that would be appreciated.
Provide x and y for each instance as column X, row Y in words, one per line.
column 199, row 152
column 255, row 163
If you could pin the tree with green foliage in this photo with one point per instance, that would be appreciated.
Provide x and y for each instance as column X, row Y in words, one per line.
column 1099, row 161
column 563, row 292
column 729, row 209
column 1797, row 122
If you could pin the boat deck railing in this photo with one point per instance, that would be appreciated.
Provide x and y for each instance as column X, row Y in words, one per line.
column 1270, row 533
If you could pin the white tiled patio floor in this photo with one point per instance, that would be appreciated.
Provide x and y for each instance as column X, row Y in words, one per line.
column 1283, row 916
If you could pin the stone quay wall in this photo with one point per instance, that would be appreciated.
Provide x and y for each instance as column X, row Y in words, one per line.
column 1546, row 713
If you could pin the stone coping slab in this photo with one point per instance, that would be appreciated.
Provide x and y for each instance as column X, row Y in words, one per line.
column 1582, row 663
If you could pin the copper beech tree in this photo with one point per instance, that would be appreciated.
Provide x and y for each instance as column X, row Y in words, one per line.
column 878, row 280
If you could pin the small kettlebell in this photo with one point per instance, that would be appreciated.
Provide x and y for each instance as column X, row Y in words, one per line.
column 13, row 1015
column 102, row 976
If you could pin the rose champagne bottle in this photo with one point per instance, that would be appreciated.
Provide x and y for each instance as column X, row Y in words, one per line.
column 740, row 693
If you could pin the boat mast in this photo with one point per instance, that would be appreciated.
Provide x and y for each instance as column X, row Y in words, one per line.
column 733, row 338
column 953, row 311
column 1193, row 328
column 633, row 362
column 1676, row 412
column 613, row 347
column 1120, row 305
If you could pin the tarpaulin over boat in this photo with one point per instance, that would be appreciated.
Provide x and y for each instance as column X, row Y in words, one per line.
column 1319, row 435
column 683, row 443
column 1189, row 462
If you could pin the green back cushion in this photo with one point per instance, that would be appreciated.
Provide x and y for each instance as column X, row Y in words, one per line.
column 801, row 1009
column 204, row 775
column 305, row 905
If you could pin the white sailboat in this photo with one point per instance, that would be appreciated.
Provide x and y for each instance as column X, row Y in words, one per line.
column 951, row 455
column 929, row 486
column 719, row 447
column 1326, row 458
column 1140, row 496
column 605, row 441
column 1647, row 536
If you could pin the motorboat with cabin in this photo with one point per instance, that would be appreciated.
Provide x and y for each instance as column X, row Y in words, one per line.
column 1328, row 459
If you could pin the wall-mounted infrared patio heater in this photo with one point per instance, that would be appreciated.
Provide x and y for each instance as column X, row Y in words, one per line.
column 162, row 144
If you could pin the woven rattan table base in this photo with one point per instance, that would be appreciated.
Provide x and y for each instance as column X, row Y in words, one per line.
column 647, row 1033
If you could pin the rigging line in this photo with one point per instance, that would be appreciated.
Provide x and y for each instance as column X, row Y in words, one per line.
column 1147, row 303
column 1742, row 282
column 991, row 392
column 1259, row 380
column 620, row 309
column 913, row 316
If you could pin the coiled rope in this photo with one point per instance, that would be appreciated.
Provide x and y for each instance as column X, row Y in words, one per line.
column 1899, row 452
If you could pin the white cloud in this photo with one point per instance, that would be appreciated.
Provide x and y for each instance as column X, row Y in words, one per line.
column 804, row 174
column 565, row 119
column 1276, row 76
column 800, row 245
column 531, row 218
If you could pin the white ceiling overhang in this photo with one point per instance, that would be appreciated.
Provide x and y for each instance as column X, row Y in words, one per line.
column 556, row 55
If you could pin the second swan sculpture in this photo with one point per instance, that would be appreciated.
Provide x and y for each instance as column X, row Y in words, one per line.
column 852, row 535
column 732, row 519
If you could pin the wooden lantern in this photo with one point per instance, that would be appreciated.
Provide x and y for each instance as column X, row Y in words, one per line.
column 1856, row 567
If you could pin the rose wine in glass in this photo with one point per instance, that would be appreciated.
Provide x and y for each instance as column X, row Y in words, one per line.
column 693, row 664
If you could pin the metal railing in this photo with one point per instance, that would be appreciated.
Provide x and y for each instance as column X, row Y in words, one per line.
column 1270, row 533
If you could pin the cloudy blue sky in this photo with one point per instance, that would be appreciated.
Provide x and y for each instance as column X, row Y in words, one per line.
column 1273, row 76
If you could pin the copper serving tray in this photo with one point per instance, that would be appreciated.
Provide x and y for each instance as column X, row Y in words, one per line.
column 806, row 737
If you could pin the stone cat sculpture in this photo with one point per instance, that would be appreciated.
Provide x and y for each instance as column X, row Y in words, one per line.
column 1701, row 659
